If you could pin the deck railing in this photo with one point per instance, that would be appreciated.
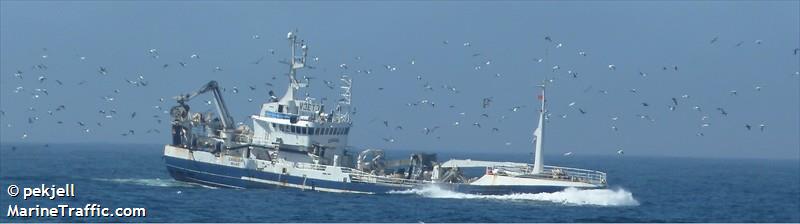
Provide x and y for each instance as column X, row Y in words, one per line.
column 559, row 173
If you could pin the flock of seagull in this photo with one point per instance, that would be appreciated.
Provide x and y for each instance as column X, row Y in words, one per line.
column 486, row 102
column 159, row 113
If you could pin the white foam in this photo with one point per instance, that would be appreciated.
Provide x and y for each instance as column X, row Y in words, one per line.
column 153, row 182
column 569, row 196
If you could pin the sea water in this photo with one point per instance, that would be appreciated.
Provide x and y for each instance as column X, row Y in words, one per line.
column 641, row 189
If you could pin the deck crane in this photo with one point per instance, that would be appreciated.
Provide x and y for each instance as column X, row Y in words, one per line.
column 181, row 111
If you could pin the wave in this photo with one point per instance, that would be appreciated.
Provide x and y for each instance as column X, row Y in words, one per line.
column 569, row 196
column 152, row 182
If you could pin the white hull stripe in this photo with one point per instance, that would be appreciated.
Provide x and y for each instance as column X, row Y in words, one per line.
column 303, row 187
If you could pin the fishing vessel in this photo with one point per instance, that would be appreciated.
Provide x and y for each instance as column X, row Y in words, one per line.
column 297, row 143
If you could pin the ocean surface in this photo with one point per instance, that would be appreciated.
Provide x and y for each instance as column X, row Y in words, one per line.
column 643, row 189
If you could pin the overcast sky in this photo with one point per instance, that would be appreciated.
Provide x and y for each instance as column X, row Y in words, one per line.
column 718, row 47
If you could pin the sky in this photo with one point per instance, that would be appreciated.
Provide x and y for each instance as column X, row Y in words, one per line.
column 483, row 49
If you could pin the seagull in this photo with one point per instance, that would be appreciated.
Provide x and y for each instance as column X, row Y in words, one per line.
column 102, row 70
column 740, row 43
column 329, row 84
column 486, row 102
column 41, row 79
column 258, row 61
column 674, row 101
column 762, row 126
column 582, row 53
column 429, row 130
column 758, row 41
column 758, row 88
column 386, row 123
column 612, row 67
column 568, row 154
column 153, row 53
column 722, row 111
column 620, row 152
column 613, row 127
column 476, row 124
column 733, row 92
column 582, row 111
column 388, row 139
column 748, row 126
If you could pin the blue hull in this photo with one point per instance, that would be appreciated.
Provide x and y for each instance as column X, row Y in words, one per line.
column 231, row 177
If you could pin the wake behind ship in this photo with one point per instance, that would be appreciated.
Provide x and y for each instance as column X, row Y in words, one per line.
column 297, row 143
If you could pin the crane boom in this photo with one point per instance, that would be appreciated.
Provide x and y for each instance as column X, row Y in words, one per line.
column 222, row 110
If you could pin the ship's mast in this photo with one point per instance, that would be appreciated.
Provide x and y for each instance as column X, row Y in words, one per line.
column 538, row 159
column 294, row 64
